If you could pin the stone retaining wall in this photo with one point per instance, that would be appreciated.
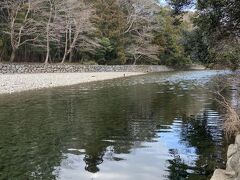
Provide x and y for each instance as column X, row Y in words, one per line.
column 232, row 171
column 71, row 68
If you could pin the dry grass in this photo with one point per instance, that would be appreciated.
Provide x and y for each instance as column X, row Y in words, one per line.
column 232, row 120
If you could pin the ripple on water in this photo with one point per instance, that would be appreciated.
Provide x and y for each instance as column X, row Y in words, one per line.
column 155, row 126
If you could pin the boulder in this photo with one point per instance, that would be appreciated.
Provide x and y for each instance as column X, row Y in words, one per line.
column 237, row 140
column 219, row 174
column 232, row 149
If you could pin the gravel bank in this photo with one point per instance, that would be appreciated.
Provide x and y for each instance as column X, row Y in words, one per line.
column 10, row 83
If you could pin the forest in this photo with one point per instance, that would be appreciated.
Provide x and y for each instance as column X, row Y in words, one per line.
column 176, row 33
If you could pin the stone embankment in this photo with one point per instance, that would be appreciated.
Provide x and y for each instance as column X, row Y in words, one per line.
column 23, row 77
column 28, row 76
column 232, row 171
column 76, row 68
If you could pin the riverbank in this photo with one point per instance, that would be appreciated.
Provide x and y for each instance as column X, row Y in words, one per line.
column 17, row 77
column 232, row 171
column 11, row 83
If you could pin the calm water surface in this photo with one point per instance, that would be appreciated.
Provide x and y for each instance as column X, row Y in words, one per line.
column 150, row 127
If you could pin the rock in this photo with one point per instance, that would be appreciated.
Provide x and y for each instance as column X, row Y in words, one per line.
column 219, row 174
column 230, row 174
column 21, row 82
column 232, row 171
column 233, row 163
column 229, row 167
column 237, row 140
column 63, row 68
column 232, row 149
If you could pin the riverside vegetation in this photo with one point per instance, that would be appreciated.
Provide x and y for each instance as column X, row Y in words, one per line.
column 120, row 31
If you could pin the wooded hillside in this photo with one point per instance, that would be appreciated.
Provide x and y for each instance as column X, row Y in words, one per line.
column 118, row 32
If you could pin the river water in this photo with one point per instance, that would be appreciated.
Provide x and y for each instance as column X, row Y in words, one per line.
column 150, row 127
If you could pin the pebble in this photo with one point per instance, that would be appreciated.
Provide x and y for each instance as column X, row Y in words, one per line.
column 10, row 83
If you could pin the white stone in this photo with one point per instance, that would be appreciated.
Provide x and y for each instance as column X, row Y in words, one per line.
column 219, row 174
column 10, row 83
column 232, row 149
column 237, row 140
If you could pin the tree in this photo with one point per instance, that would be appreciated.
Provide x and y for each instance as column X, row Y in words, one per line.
column 52, row 23
column 18, row 23
column 78, row 22
column 141, row 22
column 169, row 37
column 142, row 47
column 218, row 21
column 110, row 22
column 196, row 46
column 179, row 5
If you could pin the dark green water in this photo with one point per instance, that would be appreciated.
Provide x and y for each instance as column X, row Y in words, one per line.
column 151, row 127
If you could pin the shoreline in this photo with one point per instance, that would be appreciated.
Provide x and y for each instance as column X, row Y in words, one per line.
column 232, row 171
column 13, row 83
column 17, row 77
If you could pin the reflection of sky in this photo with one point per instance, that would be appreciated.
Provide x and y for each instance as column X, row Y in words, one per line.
column 173, row 141
column 162, row 2
column 142, row 163
column 150, row 162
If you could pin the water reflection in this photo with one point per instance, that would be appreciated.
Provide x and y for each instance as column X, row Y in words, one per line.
column 158, row 126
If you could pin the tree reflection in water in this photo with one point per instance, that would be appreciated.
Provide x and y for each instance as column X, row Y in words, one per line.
column 205, row 134
column 132, row 128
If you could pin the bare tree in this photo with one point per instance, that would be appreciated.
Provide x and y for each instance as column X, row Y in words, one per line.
column 18, row 22
column 49, row 25
column 140, row 17
column 48, row 28
column 78, row 15
column 63, row 23
column 142, row 46
column 138, row 12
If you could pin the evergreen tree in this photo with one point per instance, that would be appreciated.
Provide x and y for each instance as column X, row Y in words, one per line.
column 110, row 22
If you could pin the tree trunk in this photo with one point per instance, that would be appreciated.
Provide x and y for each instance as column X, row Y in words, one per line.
column 135, row 60
column 1, row 55
column 47, row 32
column 47, row 55
column 70, row 57
column 66, row 46
column 13, row 55
column 70, row 42
column 64, row 58
column 71, row 46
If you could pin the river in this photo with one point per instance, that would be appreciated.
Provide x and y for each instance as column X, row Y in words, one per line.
column 149, row 127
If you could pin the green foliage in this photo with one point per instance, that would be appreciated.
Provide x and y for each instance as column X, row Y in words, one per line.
column 1, row 43
column 121, row 56
column 179, row 5
column 4, row 47
column 163, row 35
column 226, row 54
column 103, row 54
column 216, row 22
column 170, row 39
column 90, row 62
column 196, row 46
column 110, row 21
